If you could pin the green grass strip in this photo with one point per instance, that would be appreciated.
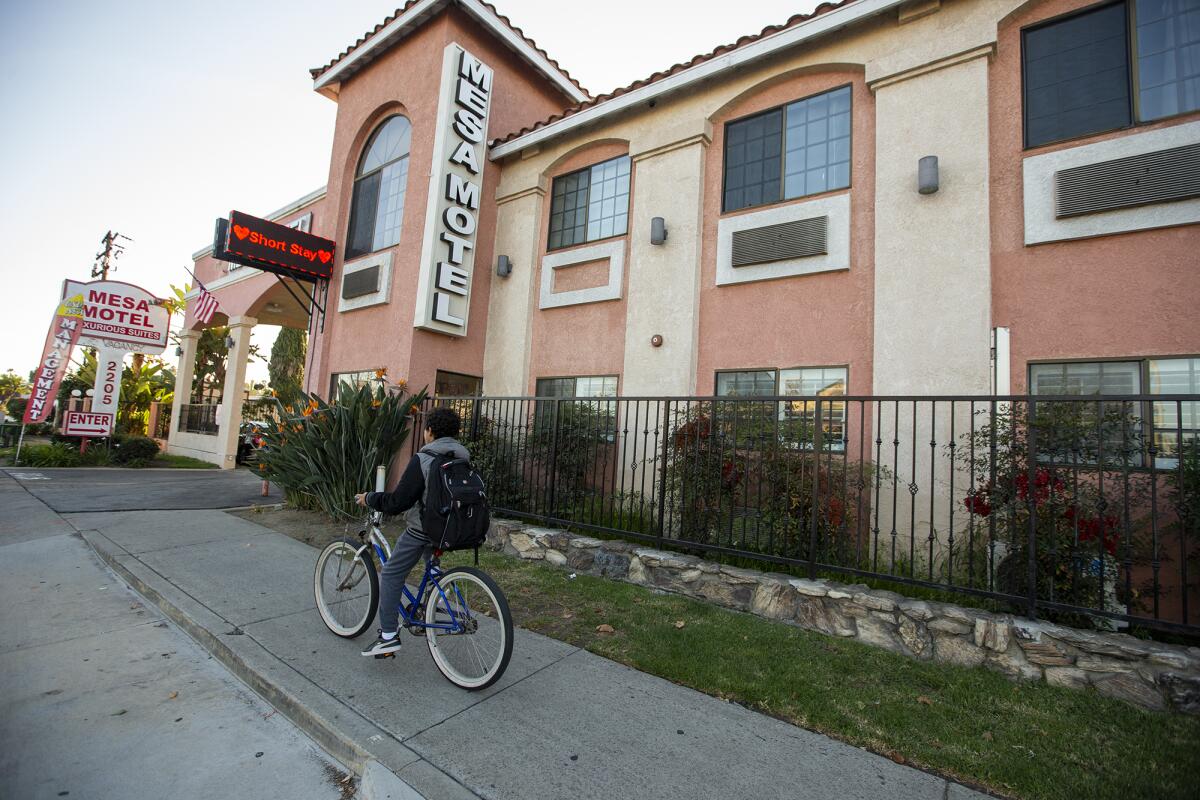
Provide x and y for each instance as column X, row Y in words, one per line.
column 1022, row 740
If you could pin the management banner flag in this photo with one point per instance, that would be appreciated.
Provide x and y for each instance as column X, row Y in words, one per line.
column 64, row 333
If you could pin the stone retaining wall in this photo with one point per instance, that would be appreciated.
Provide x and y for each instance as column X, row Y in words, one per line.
column 1148, row 674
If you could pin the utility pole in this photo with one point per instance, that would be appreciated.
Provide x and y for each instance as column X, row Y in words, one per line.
column 111, row 252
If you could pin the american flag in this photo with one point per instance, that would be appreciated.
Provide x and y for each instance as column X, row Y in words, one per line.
column 206, row 304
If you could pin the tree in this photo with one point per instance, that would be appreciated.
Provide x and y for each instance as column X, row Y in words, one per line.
column 11, row 385
column 286, row 366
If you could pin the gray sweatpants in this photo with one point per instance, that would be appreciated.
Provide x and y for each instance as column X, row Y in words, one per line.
column 407, row 552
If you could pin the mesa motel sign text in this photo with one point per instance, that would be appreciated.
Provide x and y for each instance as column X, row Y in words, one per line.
column 448, row 248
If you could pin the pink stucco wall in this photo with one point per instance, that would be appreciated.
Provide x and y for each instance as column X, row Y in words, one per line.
column 805, row 321
column 1128, row 295
column 401, row 81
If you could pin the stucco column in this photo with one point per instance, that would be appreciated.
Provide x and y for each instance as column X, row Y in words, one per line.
column 932, row 278
column 932, row 252
column 512, row 301
column 229, row 416
column 184, row 374
column 663, row 290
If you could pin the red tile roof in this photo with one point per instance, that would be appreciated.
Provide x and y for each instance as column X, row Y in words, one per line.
column 677, row 68
column 317, row 72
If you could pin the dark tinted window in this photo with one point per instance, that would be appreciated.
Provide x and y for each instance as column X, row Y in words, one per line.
column 377, row 208
column 1077, row 76
column 590, row 204
column 1168, row 52
column 753, row 160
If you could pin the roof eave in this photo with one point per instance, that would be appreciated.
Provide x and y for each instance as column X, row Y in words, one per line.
column 767, row 46
column 411, row 19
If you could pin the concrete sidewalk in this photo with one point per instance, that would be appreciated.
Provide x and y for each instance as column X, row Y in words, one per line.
column 562, row 723
column 100, row 697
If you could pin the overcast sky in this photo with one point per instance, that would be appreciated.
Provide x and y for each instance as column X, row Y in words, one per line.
column 154, row 118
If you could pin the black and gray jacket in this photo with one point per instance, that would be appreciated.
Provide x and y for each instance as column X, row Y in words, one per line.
column 408, row 498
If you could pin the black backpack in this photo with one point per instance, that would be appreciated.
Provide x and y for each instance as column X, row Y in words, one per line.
column 456, row 514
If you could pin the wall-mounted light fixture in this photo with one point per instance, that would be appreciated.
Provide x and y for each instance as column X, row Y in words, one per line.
column 179, row 350
column 927, row 175
column 229, row 342
column 503, row 266
column 658, row 230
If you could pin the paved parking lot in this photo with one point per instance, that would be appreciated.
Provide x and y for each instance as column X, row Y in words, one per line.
column 109, row 489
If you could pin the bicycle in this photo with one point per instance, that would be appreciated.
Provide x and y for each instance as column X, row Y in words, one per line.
column 461, row 612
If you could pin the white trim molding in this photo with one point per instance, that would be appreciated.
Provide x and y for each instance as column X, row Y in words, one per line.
column 835, row 209
column 764, row 47
column 1041, row 225
column 381, row 295
column 614, row 251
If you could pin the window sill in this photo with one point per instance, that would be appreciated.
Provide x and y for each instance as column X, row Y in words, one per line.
column 784, row 203
column 568, row 248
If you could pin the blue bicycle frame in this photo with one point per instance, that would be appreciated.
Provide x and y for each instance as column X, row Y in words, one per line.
column 433, row 571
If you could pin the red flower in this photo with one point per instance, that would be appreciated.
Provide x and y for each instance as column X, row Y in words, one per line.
column 1043, row 487
column 976, row 503
column 1091, row 528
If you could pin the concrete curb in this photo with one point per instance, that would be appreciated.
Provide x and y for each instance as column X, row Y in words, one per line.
column 369, row 751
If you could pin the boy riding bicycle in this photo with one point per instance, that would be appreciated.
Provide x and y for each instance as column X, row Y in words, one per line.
column 408, row 498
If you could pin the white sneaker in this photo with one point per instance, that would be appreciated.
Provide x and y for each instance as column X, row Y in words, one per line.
column 382, row 646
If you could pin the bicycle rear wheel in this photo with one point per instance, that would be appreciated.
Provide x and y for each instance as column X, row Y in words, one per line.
column 346, row 586
column 474, row 642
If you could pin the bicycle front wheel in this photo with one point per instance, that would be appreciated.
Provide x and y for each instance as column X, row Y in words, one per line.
column 346, row 587
column 469, row 628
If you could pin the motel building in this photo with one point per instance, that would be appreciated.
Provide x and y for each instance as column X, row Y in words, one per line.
column 931, row 197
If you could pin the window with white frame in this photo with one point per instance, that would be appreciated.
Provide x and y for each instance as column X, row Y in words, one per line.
column 796, row 418
column 353, row 380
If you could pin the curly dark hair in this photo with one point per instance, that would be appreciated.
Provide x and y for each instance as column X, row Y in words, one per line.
column 443, row 422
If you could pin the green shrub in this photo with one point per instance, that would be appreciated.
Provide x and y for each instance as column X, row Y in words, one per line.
column 322, row 454
column 50, row 455
column 64, row 454
column 135, row 451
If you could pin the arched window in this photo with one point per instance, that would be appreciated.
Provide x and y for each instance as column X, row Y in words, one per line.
column 378, row 206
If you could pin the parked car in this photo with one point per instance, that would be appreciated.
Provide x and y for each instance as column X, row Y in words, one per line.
column 250, row 441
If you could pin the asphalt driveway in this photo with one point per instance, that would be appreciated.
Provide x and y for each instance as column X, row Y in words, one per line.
column 116, row 489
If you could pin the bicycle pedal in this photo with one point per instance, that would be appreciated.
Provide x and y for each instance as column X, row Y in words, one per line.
column 386, row 655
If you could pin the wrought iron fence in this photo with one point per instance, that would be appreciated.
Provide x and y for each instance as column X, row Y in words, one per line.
column 162, row 421
column 198, row 418
column 1084, row 509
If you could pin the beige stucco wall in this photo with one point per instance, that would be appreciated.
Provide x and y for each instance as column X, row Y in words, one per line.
column 932, row 267
column 663, row 295
column 509, row 322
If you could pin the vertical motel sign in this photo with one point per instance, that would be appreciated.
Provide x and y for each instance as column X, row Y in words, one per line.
column 455, row 189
